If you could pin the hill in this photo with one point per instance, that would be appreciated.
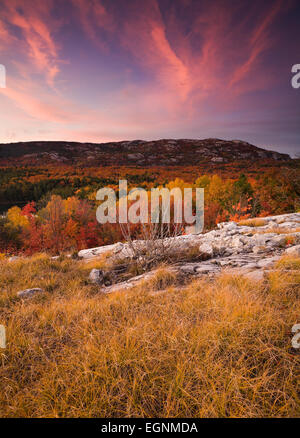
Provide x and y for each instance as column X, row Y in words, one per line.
column 138, row 153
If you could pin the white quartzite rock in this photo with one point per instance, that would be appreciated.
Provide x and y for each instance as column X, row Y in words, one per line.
column 228, row 226
column 28, row 293
column 294, row 251
column 237, row 242
column 96, row 276
column 277, row 241
column 207, row 249
column 233, row 245
column 13, row 258
column 257, row 275
column 93, row 252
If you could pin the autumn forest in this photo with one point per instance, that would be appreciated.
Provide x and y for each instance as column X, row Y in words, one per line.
column 53, row 208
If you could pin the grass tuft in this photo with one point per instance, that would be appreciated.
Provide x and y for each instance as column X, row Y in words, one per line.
column 256, row 222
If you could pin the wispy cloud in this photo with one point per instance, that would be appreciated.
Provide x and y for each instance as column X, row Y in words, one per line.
column 127, row 68
column 173, row 59
column 259, row 42
column 94, row 16
column 35, row 25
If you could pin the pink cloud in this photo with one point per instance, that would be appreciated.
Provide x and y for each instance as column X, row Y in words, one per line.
column 184, row 70
column 181, row 73
column 93, row 15
column 34, row 21
column 5, row 37
column 44, row 107
column 259, row 42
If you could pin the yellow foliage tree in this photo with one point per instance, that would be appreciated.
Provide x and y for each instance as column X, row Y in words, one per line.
column 16, row 219
column 202, row 182
column 71, row 205
column 178, row 183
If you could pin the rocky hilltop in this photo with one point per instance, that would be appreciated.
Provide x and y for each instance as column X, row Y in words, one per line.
column 252, row 250
column 249, row 250
column 136, row 153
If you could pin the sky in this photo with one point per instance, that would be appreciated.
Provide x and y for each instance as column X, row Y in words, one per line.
column 110, row 70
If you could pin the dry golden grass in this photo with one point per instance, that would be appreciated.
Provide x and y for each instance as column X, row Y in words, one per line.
column 288, row 262
column 281, row 230
column 163, row 279
column 256, row 222
column 100, row 262
column 218, row 349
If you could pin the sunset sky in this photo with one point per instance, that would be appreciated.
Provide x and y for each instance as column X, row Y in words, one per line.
column 101, row 70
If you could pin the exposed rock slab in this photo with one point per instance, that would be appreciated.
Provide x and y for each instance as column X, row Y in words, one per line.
column 96, row 276
column 28, row 293
column 133, row 282
column 293, row 251
column 244, row 250
column 228, row 239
